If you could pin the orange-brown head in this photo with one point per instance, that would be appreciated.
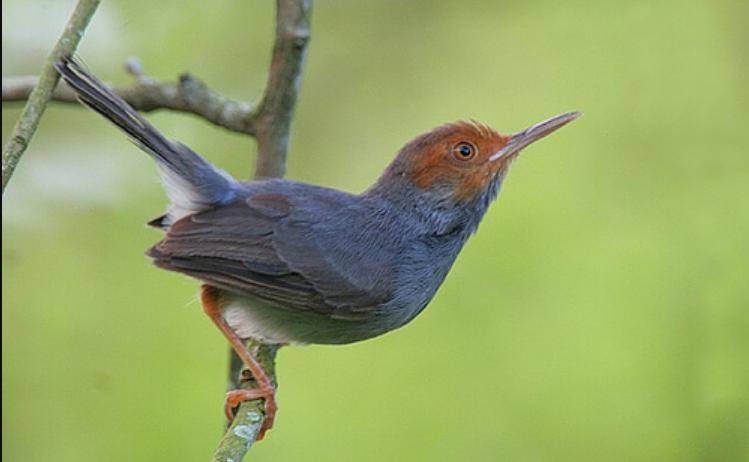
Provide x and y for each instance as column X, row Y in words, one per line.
column 459, row 163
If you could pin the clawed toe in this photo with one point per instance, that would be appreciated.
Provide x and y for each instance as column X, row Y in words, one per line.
column 268, row 394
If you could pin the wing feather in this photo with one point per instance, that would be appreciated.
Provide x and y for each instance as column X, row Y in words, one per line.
column 278, row 248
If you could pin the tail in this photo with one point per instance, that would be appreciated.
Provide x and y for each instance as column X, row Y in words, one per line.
column 191, row 183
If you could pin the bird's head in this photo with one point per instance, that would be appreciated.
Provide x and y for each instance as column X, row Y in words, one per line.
column 463, row 163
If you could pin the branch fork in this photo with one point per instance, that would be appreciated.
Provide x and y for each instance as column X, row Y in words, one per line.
column 269, row 122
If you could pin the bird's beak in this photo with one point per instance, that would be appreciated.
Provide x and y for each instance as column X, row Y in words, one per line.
column 534, row 133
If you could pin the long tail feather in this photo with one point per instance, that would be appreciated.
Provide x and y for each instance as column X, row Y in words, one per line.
column 191, row 182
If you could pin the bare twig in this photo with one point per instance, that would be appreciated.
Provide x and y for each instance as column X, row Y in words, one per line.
column 269, row 122
column 16, row 89
column 42, row 92
column 189, row 94
column 272, row 121
column 276, row 109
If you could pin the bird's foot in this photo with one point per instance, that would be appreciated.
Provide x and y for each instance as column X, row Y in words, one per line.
column 266, row 393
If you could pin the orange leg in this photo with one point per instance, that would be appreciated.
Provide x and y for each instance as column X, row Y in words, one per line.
column 265, row 390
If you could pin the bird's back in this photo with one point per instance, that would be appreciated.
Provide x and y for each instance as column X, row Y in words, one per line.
column 323, row 265
column 293, row 246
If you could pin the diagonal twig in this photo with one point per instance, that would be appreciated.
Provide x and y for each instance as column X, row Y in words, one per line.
column 273, row 123
column 269, row 122
column 42, row 92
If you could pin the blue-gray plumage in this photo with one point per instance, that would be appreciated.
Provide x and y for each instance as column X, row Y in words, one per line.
column 286, row 262
column 314, row 265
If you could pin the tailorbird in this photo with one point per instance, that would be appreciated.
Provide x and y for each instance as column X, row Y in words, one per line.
column 291, row 263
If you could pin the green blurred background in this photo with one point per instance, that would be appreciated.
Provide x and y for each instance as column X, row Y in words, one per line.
column 600, row 313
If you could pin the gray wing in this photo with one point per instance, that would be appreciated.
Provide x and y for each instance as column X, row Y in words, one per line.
column 309, row 249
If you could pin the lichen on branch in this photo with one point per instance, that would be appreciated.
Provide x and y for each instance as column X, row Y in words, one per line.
column 42, row 92
column 269, row 122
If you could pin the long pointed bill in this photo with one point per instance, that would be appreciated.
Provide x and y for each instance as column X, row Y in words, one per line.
column 534, row 133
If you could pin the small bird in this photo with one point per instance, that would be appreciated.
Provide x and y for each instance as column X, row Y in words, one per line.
column 292, row 263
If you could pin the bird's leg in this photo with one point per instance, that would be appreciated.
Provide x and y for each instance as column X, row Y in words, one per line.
column 266, row 390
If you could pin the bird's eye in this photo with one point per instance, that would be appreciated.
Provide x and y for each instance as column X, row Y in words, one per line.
column 464, row 151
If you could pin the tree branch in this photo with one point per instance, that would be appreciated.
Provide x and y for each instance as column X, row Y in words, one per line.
column 189, row 94
column 269, row 122
column 272, row 126
column 248, row 421
column 42, row 92
column 276, row 109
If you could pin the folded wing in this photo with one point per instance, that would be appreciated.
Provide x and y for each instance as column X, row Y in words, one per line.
column 299, row 252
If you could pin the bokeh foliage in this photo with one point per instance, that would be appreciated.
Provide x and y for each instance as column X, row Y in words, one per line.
column 600, row 313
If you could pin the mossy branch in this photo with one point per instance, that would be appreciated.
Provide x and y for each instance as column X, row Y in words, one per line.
column 269, row 122
column 248, row 421
column 42, row 92
column 275, row 113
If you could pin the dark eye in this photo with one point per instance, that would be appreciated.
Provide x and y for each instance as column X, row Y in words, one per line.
column 464, row 151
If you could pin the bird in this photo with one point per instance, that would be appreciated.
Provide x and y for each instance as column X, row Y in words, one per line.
column 285, row 262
